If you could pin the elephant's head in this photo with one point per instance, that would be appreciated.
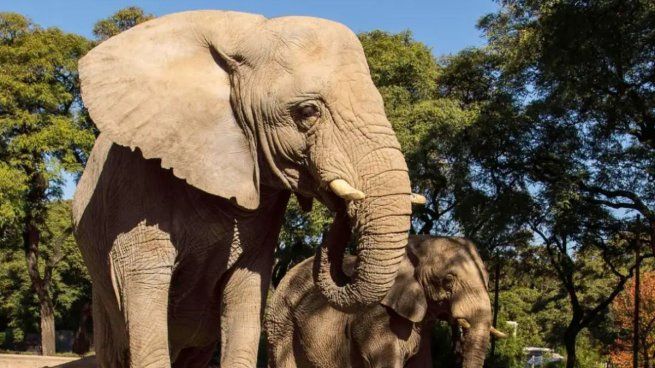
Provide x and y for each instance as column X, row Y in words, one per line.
column 233, row 102
column 444, row 278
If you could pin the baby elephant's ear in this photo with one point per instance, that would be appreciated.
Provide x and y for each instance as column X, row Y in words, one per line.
column 406, row 296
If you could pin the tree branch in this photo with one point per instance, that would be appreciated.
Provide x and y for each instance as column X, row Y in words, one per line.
column 590, row 315
column 636, row 204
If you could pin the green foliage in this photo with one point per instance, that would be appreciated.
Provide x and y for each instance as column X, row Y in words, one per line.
column 575, row 72
column 589, row 67
column 39, row 131
column 301, row 233
column 71, row 282
column 120, row 21
column 398, row 60
column 12, row 184
column 18, row 308
column 588, row 352
column 441, row 346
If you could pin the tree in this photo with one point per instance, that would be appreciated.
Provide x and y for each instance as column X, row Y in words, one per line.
column 582, row 75
column 120, row 21
column 581, row 249
column 623, row 310
column 590, row 67
column 40, row 135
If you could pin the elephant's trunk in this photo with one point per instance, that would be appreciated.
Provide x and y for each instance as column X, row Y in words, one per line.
column 474, row 347
column 472, row 309
column 381, row 222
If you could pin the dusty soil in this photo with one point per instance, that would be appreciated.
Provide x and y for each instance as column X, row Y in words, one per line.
column 37, row 361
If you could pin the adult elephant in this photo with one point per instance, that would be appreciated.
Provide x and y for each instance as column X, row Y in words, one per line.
column 208, row 121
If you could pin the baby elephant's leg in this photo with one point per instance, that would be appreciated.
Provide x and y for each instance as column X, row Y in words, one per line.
column 379, row 349
column 390, row 357
column 279, row 333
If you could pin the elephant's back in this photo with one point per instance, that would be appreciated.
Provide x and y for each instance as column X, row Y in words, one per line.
column 297, row 281
column 90, row 176
column 298, row 284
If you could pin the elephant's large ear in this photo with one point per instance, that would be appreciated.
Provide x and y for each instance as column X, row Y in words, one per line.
column 406, row 296
column 160, row 87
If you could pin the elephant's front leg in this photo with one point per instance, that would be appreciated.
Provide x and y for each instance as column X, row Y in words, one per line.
column 142, row 263
column 243, row 297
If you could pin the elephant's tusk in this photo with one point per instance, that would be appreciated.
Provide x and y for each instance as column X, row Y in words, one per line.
column 418, row 199
column 463, row 323
column 497, row 334
column 341, row 188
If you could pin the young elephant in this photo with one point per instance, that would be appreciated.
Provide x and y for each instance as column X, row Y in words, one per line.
column 439, row 278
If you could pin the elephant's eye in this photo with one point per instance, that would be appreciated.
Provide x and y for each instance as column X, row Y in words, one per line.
column 449, row 282
column 308, row 111
column 306, row 115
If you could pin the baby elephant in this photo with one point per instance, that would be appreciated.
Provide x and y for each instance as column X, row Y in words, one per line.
column 439, row 278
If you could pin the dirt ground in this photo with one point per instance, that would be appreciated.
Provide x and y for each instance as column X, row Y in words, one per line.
column 37, row 361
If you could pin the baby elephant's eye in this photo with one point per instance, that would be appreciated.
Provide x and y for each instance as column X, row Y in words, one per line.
column 449, row 282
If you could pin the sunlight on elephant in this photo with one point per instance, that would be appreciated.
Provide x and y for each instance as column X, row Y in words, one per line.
column 439, row 279
column 208, row 121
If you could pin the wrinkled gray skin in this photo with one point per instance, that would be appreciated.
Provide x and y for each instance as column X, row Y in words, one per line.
column 208, row 121
column 440, row 278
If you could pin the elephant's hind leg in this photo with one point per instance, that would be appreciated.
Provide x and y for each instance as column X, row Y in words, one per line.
column 108, row 336
column 281, row 355
column 142, row 264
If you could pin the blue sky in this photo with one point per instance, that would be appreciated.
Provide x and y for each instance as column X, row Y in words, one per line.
column 445, row 26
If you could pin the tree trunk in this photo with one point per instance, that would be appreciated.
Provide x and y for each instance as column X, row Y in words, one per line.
column 652, row 235
column 82, row 342
column 570, row 336
column 40, row 285
column 34, row 215
column 635, row 322
column 47, row 328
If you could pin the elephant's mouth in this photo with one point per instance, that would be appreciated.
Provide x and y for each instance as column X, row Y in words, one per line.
column 333, row 202
column 311, row 187
column 440, row 310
